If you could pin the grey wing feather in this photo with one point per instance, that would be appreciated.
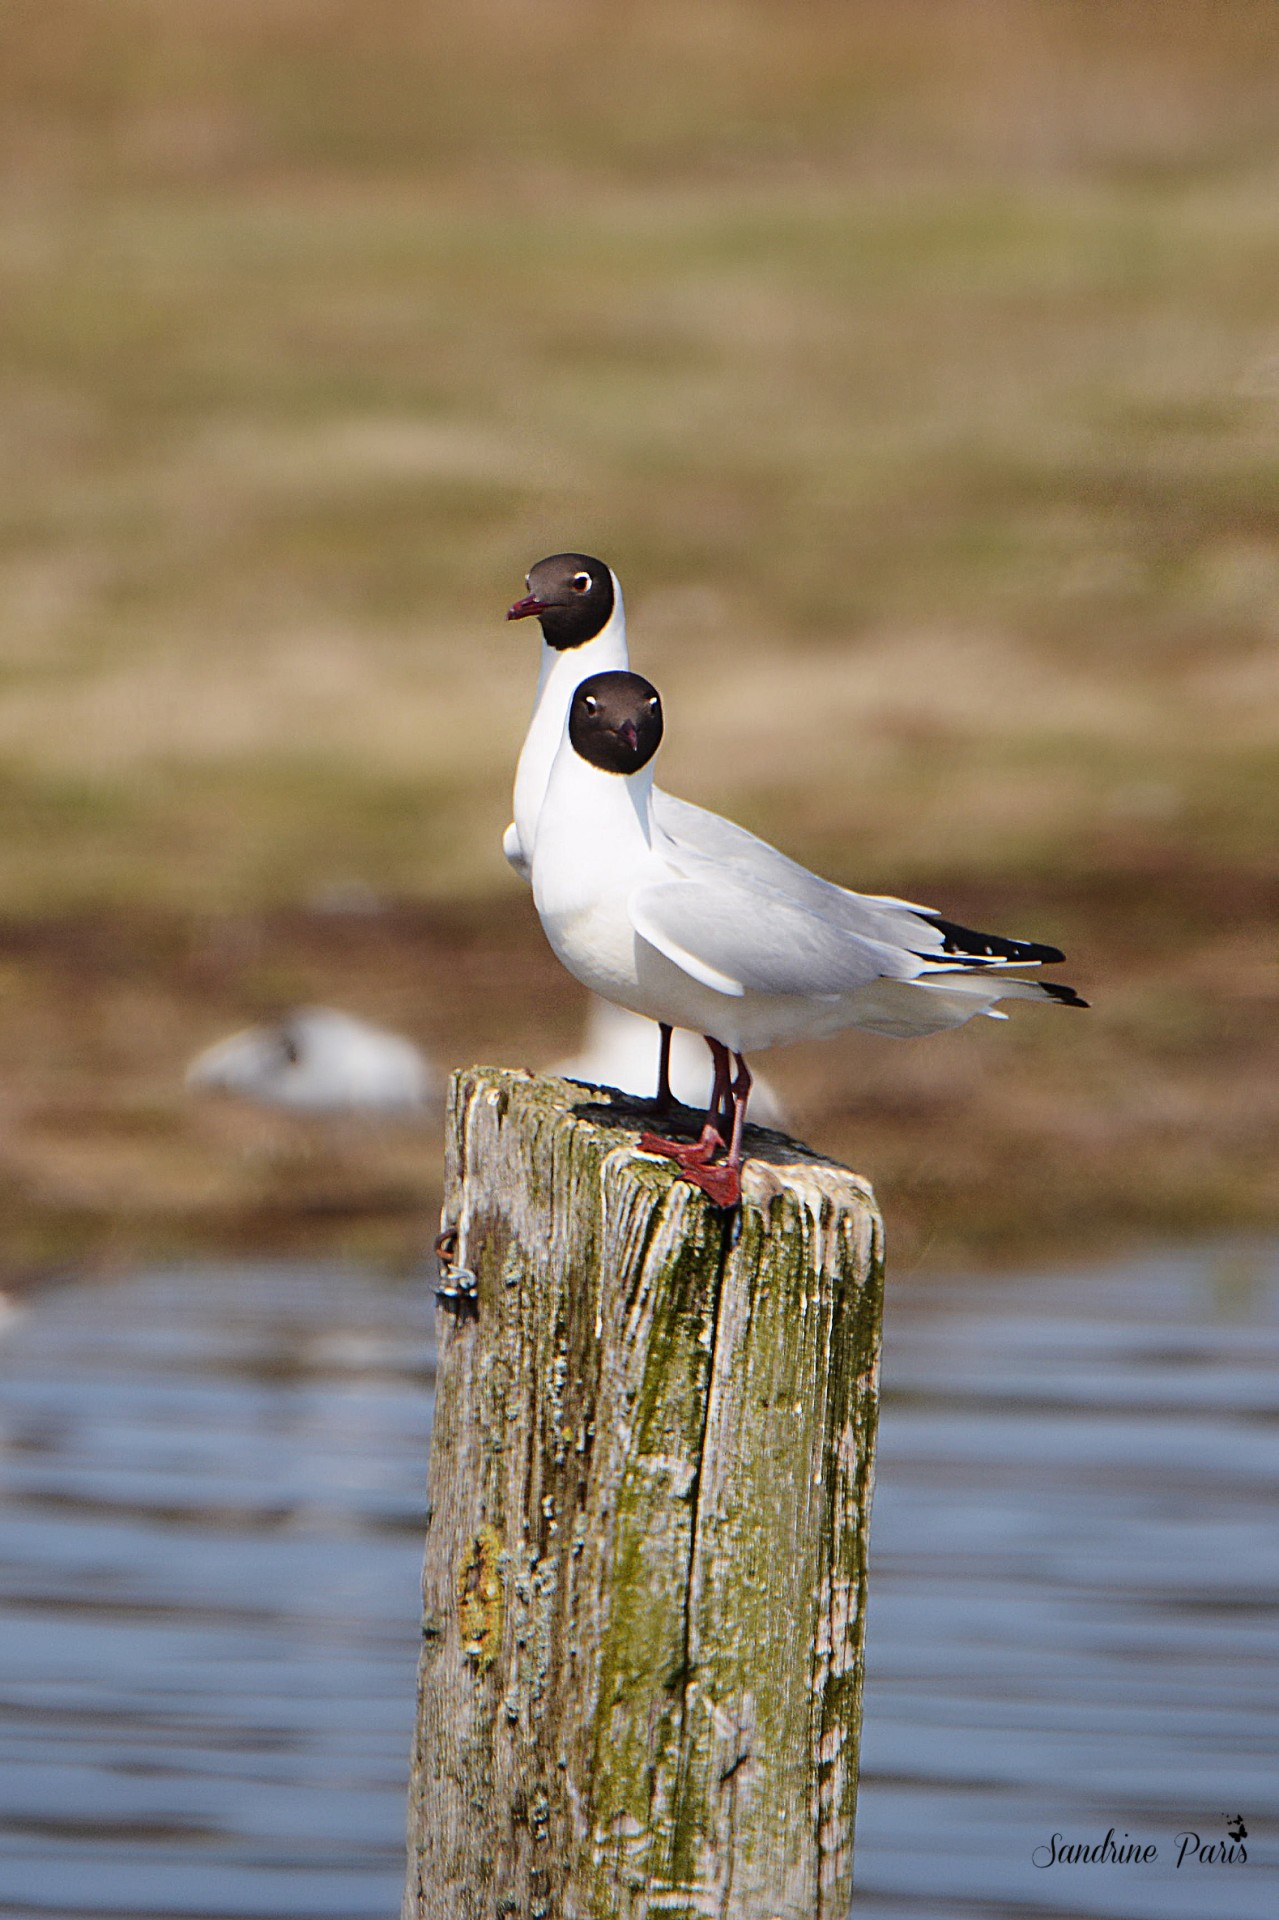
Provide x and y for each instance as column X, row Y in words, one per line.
column 698, row 841
column 757, row 941
column 697, row 832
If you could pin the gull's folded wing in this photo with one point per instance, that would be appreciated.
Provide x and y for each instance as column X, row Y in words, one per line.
column 515, row 854
column 740, row 939
column 693, row 836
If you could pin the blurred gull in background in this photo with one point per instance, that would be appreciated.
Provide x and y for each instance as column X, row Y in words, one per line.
column 316, row 1060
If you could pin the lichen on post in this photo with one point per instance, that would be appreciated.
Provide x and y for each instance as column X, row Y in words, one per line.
column 645, row 1578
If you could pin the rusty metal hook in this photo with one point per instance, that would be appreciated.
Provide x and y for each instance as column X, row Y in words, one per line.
column 459, row 1287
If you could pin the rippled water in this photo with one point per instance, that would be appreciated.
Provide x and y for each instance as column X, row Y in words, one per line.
column 1074, row 1614
column 210, row 1544
column 210, row 1534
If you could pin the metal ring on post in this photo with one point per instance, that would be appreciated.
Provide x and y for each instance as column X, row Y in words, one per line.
column 459, row 1289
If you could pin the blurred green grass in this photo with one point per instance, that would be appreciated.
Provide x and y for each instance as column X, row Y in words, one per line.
column 916, row 366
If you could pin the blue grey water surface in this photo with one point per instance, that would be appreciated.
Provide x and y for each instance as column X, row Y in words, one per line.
column 211, row 1514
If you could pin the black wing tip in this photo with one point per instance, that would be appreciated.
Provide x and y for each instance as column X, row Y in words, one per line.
column 991, row 946
column 1067, row 995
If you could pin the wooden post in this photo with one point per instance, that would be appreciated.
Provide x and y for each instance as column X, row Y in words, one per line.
column 645, row 1579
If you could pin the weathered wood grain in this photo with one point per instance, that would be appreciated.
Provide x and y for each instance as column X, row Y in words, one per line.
column 645, row 1579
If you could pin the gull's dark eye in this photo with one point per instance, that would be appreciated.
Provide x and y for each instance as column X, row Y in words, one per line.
column 580, row 582
column 652, row 703
column 591, row 704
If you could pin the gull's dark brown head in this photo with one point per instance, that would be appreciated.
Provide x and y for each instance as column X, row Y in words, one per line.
column 571, row 595
column 615, row 722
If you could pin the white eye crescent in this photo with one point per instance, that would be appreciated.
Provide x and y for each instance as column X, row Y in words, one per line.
column 591, row 704
column 580, row 582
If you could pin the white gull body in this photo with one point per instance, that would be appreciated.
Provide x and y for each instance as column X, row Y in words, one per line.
column 711, row 944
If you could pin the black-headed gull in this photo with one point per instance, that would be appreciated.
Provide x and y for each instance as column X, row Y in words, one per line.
column 577, row 601
column 749, row 955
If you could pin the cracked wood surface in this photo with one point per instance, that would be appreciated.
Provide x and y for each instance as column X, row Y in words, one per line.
column 645, row 1579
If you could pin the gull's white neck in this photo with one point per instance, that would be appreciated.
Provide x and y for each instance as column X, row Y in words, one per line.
column 592, row 850
column 559, row 676
column 595, row 831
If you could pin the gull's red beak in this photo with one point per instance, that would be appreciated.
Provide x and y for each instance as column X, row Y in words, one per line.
column 523, row 608
column 627, row 735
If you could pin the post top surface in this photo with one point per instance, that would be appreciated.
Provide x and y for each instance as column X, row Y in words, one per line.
column 774, row 1163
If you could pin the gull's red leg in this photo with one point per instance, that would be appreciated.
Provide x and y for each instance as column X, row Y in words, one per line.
column 722, row 1183
column 741, row 1094
column 663, row 1102
column 722, row 1098
column 708, row 1143
column 721, row 1088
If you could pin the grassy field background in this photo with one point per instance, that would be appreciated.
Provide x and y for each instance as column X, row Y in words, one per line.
column 918, row 369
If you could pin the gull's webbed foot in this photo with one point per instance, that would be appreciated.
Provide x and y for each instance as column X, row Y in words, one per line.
column 722, row 1184
column 685, row 1153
